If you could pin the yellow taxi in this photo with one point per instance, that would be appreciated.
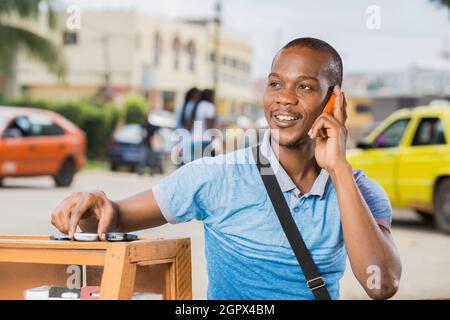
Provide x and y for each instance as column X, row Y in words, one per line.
column 409, row 155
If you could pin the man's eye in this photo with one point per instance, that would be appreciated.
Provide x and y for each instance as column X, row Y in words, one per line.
column 274, row 84
column 304, row 87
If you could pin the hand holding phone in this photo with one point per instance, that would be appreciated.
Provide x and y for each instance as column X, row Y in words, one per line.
column 329, row 132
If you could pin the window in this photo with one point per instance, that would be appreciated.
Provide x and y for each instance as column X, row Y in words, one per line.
column 35, row 126
column 19, row 127
column 360, row 108
column 429, row 132
column 70, row 38
column 41, row 125
column 157, row 48
column 131, row 133
column 49, row 130
column 212, row 56
column 392, row 135
column 169, row 100
column 176, row 53
column 191, row 53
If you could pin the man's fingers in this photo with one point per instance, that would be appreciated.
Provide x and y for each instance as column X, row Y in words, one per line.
column 64, row 216
column 83, row 204
column 61, row 224
column 338, row 110
column 321, row 126
column 61, row 215
column 106, row 220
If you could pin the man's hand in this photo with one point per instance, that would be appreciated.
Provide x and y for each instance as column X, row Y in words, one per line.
column 330, row 134
column 93, row 209
column 366, row 242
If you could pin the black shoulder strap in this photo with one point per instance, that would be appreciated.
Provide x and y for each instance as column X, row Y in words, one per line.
column 313, row 279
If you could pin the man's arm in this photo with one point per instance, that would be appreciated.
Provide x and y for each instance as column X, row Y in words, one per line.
column 370, row 247
column 94, row 212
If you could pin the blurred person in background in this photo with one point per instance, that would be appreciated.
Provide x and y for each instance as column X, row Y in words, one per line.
column 148, row 156
column 191, row 98
column 201, row 119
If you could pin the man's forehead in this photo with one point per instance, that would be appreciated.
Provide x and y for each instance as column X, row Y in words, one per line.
column 302, row 60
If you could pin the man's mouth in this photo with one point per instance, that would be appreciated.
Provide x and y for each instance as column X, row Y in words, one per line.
column 286, row 118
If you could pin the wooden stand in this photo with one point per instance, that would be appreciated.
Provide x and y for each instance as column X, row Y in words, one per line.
column 120, row 268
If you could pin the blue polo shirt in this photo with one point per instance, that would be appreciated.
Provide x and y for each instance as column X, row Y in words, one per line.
column 248, row 255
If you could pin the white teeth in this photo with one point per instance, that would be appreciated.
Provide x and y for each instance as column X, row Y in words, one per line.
column 286, row 118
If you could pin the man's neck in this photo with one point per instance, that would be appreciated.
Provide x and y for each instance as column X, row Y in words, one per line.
column 299, row 163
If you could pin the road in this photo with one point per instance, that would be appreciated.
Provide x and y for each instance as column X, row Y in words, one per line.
column 27, row 203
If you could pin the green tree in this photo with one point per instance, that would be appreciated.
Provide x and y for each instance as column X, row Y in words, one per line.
column 136, row 109
column 14, row 37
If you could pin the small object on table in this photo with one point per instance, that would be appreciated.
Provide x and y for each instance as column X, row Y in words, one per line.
column 59, row 236
column 85, row 236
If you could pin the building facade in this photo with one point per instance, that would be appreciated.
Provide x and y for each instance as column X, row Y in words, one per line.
column 128, row 52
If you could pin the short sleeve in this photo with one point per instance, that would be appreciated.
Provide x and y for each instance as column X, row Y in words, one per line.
column 180, row 195
column 375, row 197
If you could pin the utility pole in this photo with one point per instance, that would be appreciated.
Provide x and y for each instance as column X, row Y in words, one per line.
column 217, row 25
column 106, row 58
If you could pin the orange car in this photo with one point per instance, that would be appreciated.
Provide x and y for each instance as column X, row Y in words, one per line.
column 36, row 142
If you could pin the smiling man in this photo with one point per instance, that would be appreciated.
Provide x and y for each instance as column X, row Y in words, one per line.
column 339, row 211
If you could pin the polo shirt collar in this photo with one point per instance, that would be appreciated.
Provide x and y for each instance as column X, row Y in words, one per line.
column 285, row 182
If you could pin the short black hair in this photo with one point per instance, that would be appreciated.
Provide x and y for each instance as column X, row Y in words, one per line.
column 335, row 68
column 207, row 95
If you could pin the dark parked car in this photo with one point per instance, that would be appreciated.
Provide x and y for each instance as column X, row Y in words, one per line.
column 126, row 150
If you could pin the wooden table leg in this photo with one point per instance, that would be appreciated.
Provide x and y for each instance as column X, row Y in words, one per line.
column 182, row 269
column 170, row 283
column 118, row 275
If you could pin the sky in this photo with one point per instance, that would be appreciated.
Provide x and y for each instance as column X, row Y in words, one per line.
column 400, row 33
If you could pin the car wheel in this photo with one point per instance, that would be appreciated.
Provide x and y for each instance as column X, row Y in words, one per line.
column 442, row 205
column 1, row 182
column 65, row 175
column 113, row 166
column 425, row 216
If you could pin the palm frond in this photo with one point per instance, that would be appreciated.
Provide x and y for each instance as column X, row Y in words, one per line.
column 23, row 8
column 29, row 9
column 38, row 47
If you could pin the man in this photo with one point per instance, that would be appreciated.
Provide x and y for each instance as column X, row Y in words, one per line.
column 337, row 210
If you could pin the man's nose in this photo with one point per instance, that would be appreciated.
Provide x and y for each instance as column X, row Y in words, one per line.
column 287, row 96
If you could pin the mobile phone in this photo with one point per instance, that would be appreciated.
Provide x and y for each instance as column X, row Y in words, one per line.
column 85, row 236
column 60, row 293
column 329, row 101
column 120, row 236
column 59, row 236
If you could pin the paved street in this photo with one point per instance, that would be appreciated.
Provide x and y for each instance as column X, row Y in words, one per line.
column 26, row 205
